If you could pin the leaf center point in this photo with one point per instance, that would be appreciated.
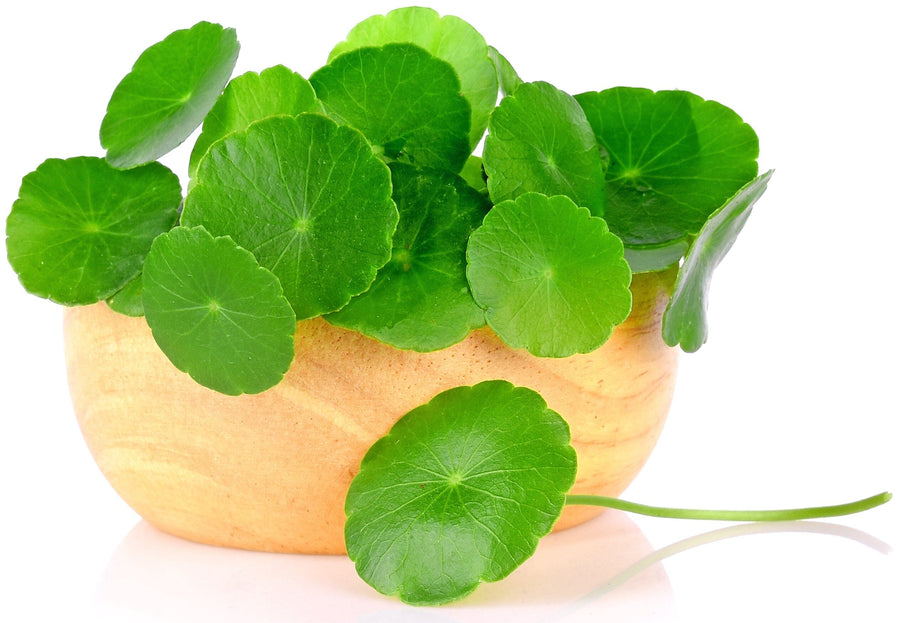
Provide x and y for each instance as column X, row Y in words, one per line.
column 454, row 479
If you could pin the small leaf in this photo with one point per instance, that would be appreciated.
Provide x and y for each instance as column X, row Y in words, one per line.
column 509, row 79
column 684, row 321
column 216, row 314
column 251, row 97
column 80, row 229
column 420, row 300
column 473, row 173
column 308, row 198
column 656, row 257
column 168, row 92
column 673, row 159
column 459, row 492
column 406, row 102
column 448, row 38
column 550, row 277
column 128, row 301
column 540, row 141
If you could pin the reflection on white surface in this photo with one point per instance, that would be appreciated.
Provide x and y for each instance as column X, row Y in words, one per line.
column 156, row 577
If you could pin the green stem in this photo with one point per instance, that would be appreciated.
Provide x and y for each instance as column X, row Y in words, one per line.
column 792, row 514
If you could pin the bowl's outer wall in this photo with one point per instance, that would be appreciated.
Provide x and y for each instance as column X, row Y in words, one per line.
column 270, row 471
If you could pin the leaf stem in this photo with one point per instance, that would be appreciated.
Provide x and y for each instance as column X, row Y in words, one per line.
column 816, row 512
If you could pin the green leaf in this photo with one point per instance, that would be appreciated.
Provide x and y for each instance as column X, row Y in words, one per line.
column 251, row 97
column 216, row 314
column 406, row 101
column 459, row 492
column 540, row 141
column 673, row 159
column 473, row 173
column 509, row 79
column 168, row 92
column 80, row 229
column 420, row 300
column 128, row 301
column 684, row 321
column 652, row 258
column 550, row 277
column 308, row 198
column 448, row 38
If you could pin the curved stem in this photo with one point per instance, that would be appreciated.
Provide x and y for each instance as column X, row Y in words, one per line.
column 816, row 512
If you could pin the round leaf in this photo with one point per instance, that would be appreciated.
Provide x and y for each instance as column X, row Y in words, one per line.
column 448, row 38
column 420, row 300
column 168, row 92
column 406, row 101
column 215, row 313
column 459, row 492
column 540, row 141
column 308, row 198
column 674, row 158
column 550, row 277
column 251, row 97
column 80, row 229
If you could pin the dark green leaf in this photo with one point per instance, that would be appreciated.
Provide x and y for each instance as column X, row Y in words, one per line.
column 509, row 79
column 684, row 321
column 406, row 101
column 308, row 198
column 448, row 38
column 168, row 92
column 550, row 277
column 673, row 159
column 251, row 97
column 216, row 314
column 459, row 492
column 540, row 141
column 128, row 300
column 80, row 229
column 420, row 300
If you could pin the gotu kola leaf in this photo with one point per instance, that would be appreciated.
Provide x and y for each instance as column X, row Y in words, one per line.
column 406, row 102
column 459, row 492
column 420, row 300
column 448, row 38
column 684, row 321
column 80, row 229
column 551, row 278
column 128, row 301
column 308, row 198
column 168, row 92
column 215, row 313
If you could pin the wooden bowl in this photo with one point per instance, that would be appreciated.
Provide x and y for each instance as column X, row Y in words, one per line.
column 270, row 471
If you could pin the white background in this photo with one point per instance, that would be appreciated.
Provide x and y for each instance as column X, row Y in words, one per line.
column 791, row 402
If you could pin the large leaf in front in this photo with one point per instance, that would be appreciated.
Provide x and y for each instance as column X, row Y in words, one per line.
column 551, row 278
column 540, row 141
column 420, row 300
column 674, row 158
column 406, row 101
column 459, row 492
column 308, row 198
column 216, row 314
column 80, row 229
column 251, row 97
column 448, row 38
column 684, row 321
column 168, row 92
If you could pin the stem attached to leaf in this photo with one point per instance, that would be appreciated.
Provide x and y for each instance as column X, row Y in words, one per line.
column 794, row 514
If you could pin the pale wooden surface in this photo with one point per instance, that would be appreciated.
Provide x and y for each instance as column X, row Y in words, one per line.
column 270, row 471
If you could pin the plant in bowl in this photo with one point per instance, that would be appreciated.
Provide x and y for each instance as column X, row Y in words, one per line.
column 342, row 258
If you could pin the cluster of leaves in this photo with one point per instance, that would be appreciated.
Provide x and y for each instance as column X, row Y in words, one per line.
column 355, row 195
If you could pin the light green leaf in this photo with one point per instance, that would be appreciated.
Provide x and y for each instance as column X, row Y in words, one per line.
column 509, row 79
column 168, row 92
column 308, row 198
column 684, row 321
column 550, row 277
column 459, row 492
column 80, row 229
column 448, row 38
column 420, row 300
column 540, row 141
column 406, row 102
column 216, row 314
column 652, row 258
column 251, row 97
column 673, row 159
column 128, row 301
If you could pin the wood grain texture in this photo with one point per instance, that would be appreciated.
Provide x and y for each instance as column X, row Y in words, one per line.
column 270, row 471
